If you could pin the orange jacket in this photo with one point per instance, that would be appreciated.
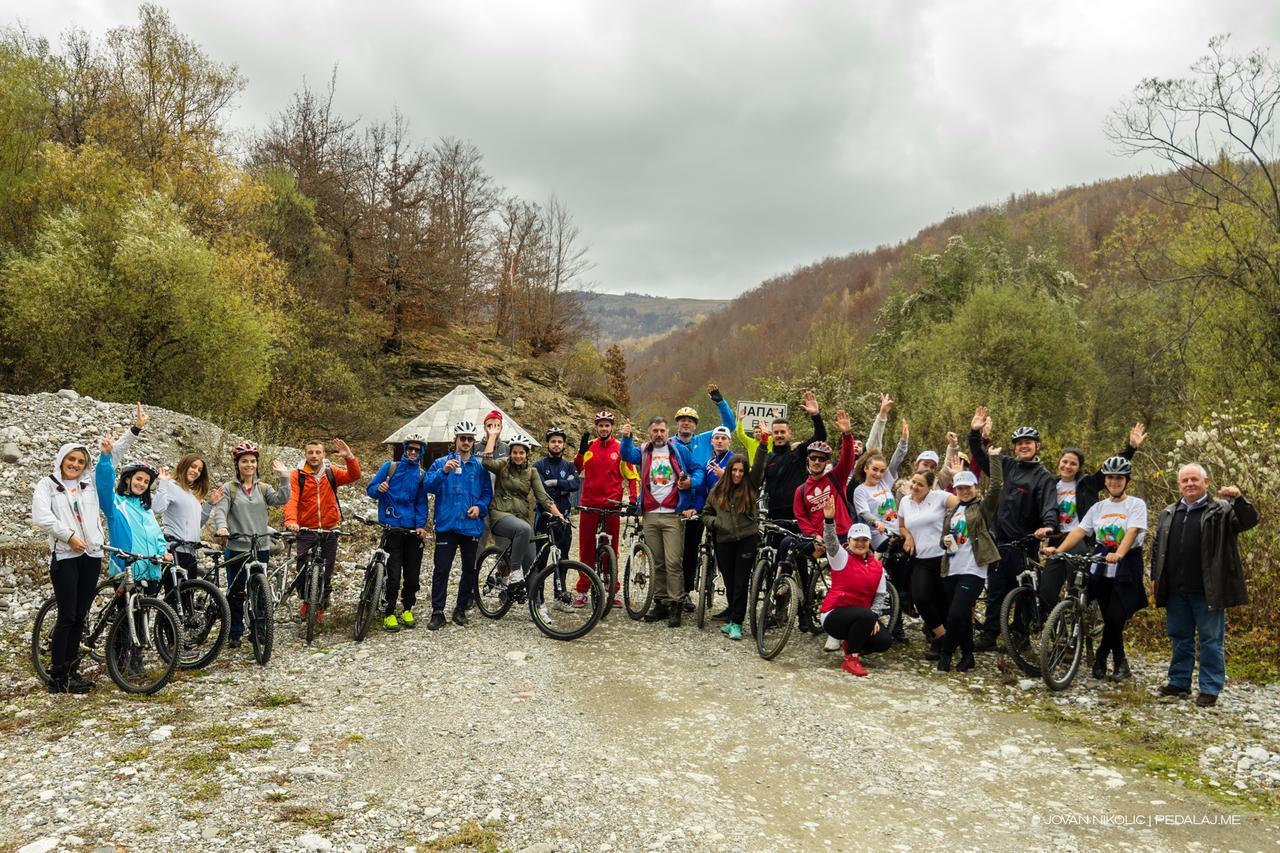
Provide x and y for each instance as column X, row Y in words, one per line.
column 313, row 502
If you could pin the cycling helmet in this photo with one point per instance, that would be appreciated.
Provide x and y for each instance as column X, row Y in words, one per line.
column 464, row 428
column 555, row 430
column 126, row 474
column 687, row 412
column 1026, row 432
column 134, row 467
column 415, row 438
column 604, row 416
column 244, row 448
column 1117, row 465
column 520, row 440
column 820, row 447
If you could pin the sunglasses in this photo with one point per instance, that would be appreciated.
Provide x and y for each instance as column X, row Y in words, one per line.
column 817, row 458
column 466, row 438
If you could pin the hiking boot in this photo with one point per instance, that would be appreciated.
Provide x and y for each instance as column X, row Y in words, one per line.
column 460, row 617
column 1099, row 669
column 437, row 621
column 78, row 684
column 735, row 631
column 935, row 649
column 1122, row 671
column 853, row 665
column 57, row 682
column 407, row 620
column 1175, row 690
column 966, row 663
column 944, row 662
column 674, row 615
column 390, row 623
column 1206, row 700
column 657, row 612
column 233, row 642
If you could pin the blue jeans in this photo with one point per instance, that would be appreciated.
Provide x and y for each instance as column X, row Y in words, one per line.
column 1187, row 615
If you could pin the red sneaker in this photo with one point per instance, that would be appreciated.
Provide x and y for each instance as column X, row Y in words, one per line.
column 320, row 617
column 302, row 611
column 853, row 666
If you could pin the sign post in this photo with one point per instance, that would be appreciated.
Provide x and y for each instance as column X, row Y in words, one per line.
column 752, row 413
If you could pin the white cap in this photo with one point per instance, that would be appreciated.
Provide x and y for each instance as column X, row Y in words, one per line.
column 859, row 531
column 721, row 430
column 964, row 478
column 927, row 456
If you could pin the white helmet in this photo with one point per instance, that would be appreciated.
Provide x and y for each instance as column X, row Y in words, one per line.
column 520, row 440
column 464, row 428
column 414, row 438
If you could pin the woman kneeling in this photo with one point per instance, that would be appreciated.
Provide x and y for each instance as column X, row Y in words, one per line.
column 858, row 595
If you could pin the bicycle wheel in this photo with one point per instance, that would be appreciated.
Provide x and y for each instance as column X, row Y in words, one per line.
column 637, row 581
column 493, row 571
column 1020, row 629
column 893, row 612
column 42, row 638
column 607, row 571
column 143, row 660
column 375, row 578
column 98, row 622
column 551, row 594
column 761, row 573
column 205, row 620
column 819, row 586
column 777, row 616
column 315, row 584
column 1062, row 645
column 259, row 618
column 705, row 586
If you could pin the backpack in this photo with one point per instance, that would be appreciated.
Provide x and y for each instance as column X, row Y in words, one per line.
column 333, row 484
column 391, row 472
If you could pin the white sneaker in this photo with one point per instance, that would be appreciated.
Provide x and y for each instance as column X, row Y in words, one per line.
column 544, row 615
column 831, row 645
column 618, row 602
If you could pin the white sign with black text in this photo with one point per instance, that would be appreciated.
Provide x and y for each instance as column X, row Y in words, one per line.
column 751, row 413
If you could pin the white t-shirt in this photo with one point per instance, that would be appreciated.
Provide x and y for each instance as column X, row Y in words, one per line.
column 1068, row 514
column 1109, row 520
column 924, row 522
column 662, row 476
column 962, row 562
column 877, row 502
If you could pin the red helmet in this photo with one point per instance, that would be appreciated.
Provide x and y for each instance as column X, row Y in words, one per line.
column 244, row 448
column 604, row 416
column 820, row 447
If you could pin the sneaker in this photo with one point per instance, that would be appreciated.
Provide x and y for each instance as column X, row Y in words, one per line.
column 77, row 684
column 136, row 666
column 934, row 651
column 562, row 605
column 831, row 645
column 580, row 600
column 545, row 616
column 1206, row 700
column 1175, row 690
column 437, row 621
column 320, row 616
column 853, row 665
column 1122, row 671
column 304, row 609
column 460, row 617
column 57, row 683
column 233, row 642
column 722, row 616
column 618, row 602
column 674, row 614
column 735, row 631
column 391, row 623
column 1099, row 669
column 687, row 604
column 407, row 620
column 966, row 663
column 657, row 612
column 724, row 630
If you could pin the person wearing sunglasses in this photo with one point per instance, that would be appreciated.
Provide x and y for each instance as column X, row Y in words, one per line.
column 463, row 491
column 400, row 490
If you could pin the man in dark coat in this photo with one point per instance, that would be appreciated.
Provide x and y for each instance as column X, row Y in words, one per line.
column 1196, row 570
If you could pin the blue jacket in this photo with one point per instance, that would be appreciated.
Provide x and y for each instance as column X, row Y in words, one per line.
column 560, row 479
column 457, row 492
column 404, row 503
column 687, row 499
column 700, row 445
column 710, row 479
column 131, row 526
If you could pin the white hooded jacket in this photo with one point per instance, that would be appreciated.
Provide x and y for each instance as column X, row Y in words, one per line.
column 52, row 510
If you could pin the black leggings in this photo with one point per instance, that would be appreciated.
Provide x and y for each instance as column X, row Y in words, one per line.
column 447, row 545
column 928, row 592
column 854, row 625
column 735, row 560
column 1113, row 621
column 74, row 580
column 962, row 594
column 404, row 560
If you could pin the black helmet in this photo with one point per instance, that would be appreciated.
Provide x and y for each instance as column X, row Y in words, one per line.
column 1118, row 465
column 127, row 472
column 555, row 430
column 1026, row 432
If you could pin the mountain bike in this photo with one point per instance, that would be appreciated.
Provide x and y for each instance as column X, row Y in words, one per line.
column 637, row 574
column 373, row 589
column 201, row 609
column 549, row 591
column 606, row 562
column 1022, row 618
column 256, row 582
column 706, row 585
column 311, row 577
column 97, row 623
column 1071, row 629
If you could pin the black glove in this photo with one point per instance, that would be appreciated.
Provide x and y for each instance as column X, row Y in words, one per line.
column 582, row 445
column 716, row 396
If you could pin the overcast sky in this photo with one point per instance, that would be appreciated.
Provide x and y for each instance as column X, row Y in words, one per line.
column 704, row 147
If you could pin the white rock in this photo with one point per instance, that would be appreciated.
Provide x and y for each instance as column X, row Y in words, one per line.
column 310, row 771
column 44, row 845
column 46, row 795
column 68, row 394
column 1257, row 753
column 494, row 815
column 1010, row 750
column 72, row 841
column 314, row 841
column 160, row 733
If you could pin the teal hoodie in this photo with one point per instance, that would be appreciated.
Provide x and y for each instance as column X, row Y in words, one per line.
column 131, row 526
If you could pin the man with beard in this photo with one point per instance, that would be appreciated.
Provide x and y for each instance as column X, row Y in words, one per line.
column 700, row 452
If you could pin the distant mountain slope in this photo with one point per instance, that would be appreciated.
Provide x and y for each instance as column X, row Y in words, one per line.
column 758, row 332
column 635, row 319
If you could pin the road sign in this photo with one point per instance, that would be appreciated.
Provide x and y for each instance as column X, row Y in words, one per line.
column 751, row 413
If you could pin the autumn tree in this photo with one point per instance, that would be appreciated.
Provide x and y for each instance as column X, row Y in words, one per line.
column 615, row 371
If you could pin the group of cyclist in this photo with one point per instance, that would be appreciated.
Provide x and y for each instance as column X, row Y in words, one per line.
column 950, row 529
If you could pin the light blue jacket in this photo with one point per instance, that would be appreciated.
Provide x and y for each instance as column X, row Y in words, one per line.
column 130, row 525
column 699, row 446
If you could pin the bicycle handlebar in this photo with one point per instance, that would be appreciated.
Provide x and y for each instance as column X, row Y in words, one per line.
column 129, row 557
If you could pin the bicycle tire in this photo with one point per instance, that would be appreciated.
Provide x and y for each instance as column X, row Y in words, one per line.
column 705, row 587
column 595, row 596
column 492, row 571
column 819, row 586
column 894, row 611
column 260, row 618
column 784, row 593
column 1062, row 633
column 637, row 581
column 759, row 572
column 98, row 622
column 374, row 577
column 1019, row 629
column 42, row 639
column 198, row 622
column 164, row 632
column 607, row 571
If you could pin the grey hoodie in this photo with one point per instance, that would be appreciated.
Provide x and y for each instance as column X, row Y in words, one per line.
column 244, row 513
column 52, row 510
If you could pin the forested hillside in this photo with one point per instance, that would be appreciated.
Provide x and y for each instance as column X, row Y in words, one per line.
column 633, row 320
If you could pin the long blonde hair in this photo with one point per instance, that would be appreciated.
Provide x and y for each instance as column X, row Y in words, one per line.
column 200, row 488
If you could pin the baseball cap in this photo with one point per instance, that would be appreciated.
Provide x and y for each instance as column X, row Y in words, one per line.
column 965, row 478
column 859, row 531
column 928, row 456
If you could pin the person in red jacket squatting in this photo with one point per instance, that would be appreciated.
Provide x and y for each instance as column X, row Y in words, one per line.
column 599, row 460
column 313, row 502
column 858, row 596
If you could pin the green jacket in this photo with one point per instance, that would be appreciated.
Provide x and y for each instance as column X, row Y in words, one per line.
column 729, row 525
column 512, row 487
column 980, row 516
